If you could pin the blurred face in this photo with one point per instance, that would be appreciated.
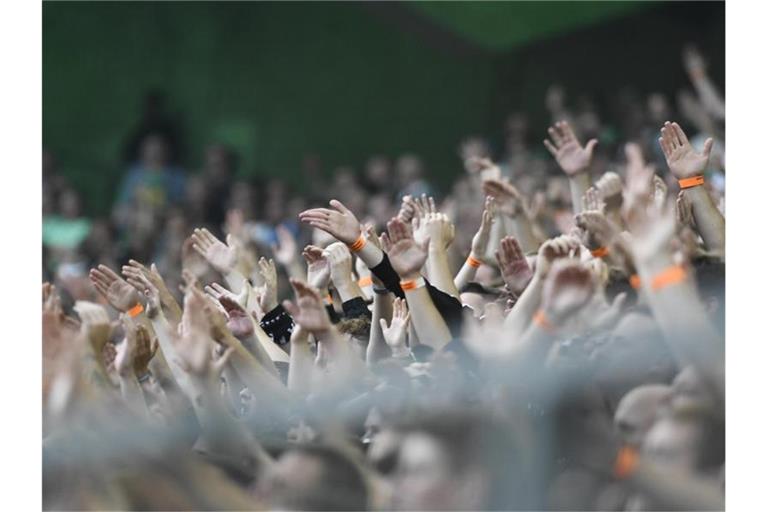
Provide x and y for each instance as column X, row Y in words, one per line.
column 69, row 204
column 153, row 152
column 423, row 478
column 673, row 442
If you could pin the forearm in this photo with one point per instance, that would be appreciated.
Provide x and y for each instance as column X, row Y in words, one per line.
column 466, row 274
column 440, row 272
column 132, row 394
column 578, row 183
column 255, row 345
column 301, row 366
column 709, row 221
column 348, row 288
column 260, row 382
column 519, row 318
column 265, row 349
column 427, row 321
column 521, row 228
column 377, row 347
column 683, row 321
column 709, row 96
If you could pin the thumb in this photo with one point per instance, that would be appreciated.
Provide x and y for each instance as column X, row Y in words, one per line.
column 708, row 146
column 383, row 324
column 290, row 308
column 425, row 244
column 591, row 145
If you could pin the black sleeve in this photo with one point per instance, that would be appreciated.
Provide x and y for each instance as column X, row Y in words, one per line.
column 355, row 308
column 332, row 313
column 278, row 324
column 387, row 275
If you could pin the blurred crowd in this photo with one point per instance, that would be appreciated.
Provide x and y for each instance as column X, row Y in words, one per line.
column 547, row 333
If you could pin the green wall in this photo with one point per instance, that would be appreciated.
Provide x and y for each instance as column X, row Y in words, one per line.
column 277, row 80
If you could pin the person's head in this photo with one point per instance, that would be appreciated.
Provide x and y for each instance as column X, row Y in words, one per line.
column 409, row 169
column 358, row 330
column 154, row 151
column 219, row 162
column 690, row 437
column 459, row 462
column 637, row 412
column 635, row 354
column 314, row 477
column 377, row 172
column 69, row 203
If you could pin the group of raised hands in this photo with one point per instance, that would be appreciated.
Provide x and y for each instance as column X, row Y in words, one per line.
column 233, row 349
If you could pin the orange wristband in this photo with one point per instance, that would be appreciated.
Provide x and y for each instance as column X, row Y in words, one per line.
column 600, row 252
column 540, row 319
column 365, row 281
column 329, row 299
column 135, row 310
column 358, row 244
column 670, row 276
column 634, row 280
column 626, row 461
column 412, row 285
column 693, row 181
column 473, row 262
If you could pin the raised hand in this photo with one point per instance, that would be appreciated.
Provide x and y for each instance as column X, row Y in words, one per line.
column 147, row 289
column 514, row 267
column 571, row 156
column 482, row 167
column 406, row 256
column 267, row 293
column 563, row 246
column 339, row 222
column 308, row 311
column 483, row 235
column 135, row 352
column 340, row 261
column 437, row 228
column 395, row 333
column 598, row 229
column 568, row 288
column 194, row 345
column 592, row 201
column 407, row 209
column 508, row 199
column 285, row 250
column 318, row 269
column 121, row 295
column 610, row 186
column 222, row 257
column 95, row 323
column 682, row 159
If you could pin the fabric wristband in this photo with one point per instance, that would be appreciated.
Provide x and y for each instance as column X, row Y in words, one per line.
column 358, row 244
column 693, row 181
column 135, row 310
column 634, row 281
column 540, row 319
column 365, row 281
column 600, row 252
column 673, row 275
column 626, row 461
column 329, row 299
column 473, row 262
column 412, row 284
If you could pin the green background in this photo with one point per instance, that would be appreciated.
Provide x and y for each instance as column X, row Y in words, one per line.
column 338, row 80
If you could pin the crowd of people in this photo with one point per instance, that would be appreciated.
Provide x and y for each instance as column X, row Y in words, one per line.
column 547, row 334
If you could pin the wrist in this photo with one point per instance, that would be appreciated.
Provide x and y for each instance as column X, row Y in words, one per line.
column 412, row 283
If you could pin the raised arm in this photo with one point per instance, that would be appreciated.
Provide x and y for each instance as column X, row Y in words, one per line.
column 573, row 158
column 479, row 252
column 688, row 166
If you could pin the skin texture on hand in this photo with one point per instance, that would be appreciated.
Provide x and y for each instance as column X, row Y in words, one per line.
column 338, row 222
column 568, row 288
column 222, row 257
column 309, row 310
column 571, row 156
column 513, row 265
column 483, row 235
column 682, row 159
column 120, row 295
column 396, row 332
column 406, row 256
column 267, row 293
column 318, row 268
column 508, row 200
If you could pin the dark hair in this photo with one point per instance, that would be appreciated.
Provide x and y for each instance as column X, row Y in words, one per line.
column 341, row 485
